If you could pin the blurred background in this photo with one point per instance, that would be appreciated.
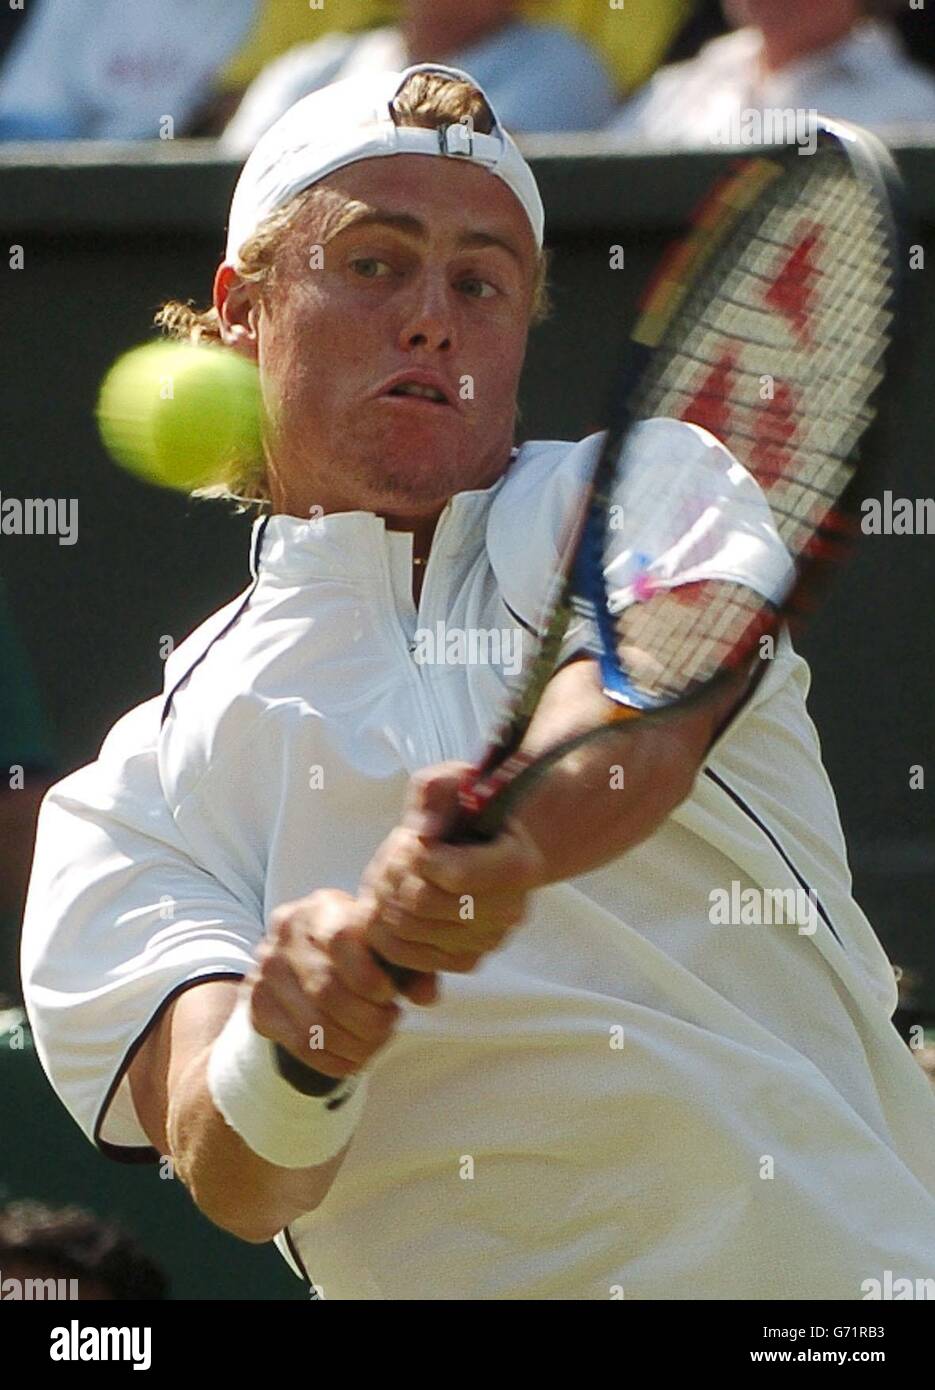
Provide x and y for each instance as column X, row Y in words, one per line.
column 123, row 124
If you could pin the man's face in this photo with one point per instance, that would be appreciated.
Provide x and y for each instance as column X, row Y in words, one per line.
column 482, row 13
column 785, row 14
column 432, row 279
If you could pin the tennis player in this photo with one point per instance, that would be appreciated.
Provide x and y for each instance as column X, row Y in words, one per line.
column 598, row 1086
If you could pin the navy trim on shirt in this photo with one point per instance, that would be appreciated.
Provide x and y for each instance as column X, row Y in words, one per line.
column 299, row 1262
column 255, row 571
column 800, row 879
column 126, row 1153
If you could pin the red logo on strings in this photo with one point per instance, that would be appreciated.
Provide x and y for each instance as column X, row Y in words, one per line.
column 709, row 407
column 792, row 293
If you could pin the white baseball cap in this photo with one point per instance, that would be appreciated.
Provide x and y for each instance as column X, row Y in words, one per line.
column 351, row 120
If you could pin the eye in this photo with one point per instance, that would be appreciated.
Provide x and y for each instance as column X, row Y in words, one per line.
column 369, row 268
column 475, row 288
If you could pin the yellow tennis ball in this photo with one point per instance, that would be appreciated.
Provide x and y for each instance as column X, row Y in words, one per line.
column 178, row 414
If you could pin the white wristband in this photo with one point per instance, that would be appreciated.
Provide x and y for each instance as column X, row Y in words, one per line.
column 278, row 1123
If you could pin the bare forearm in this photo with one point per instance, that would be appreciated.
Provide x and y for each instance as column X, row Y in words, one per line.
column 231, row 1184
column 605, row 797
column 602, row 800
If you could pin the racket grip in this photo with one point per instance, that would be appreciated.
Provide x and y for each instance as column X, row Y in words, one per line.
column 401, row 975
column 316, row 1083
column 303, row 1078
column 464, row 830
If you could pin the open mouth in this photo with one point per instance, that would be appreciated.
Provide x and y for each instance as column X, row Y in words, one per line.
column 425, row 393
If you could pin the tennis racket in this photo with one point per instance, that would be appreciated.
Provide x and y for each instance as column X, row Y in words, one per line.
column 770, row 325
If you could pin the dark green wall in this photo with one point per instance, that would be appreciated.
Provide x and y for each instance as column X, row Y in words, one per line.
column 45, row 1157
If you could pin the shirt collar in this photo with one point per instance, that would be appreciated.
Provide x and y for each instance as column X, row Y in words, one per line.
column 344, row 544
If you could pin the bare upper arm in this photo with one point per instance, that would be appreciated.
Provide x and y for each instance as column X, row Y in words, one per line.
column 574, row 701
column 188, row 1025
column 214, row 1162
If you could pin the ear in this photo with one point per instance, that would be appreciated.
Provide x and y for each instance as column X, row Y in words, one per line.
column 238, row 312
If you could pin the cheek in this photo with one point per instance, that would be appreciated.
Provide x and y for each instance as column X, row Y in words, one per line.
column 295, row 365
column 499, row 373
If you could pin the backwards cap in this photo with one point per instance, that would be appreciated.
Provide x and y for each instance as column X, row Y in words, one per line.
column 351, row 120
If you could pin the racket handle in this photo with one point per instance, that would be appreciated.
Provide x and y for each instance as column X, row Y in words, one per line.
column 462, row 831
column 316, row 1083
column 401, row 975
column 303, row 1078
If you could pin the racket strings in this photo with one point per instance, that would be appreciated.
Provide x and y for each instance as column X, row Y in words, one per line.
column 686, row 636
column 777, row 350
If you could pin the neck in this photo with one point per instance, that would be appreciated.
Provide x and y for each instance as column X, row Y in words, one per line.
column 784, row 46
column 422, row 529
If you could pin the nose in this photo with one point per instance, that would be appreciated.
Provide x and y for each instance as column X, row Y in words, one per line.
column 429, row 320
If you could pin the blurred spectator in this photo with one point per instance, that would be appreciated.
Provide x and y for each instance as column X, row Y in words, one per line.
column 918, row 33
column 278, row 25
column 539, row 77
column 839, row 57
column 631, row 41
column 632, row 38
column 705, row 22
column 115, row 69
column 281, row 24
column 41, row 1242
column 27, row 766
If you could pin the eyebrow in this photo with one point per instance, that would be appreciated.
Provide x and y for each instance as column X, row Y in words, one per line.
column 413, row 226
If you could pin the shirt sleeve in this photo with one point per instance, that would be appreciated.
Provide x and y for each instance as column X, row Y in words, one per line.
column 119, row 919
column 686, row 511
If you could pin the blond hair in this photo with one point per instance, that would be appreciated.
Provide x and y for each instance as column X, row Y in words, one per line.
column 428, row 100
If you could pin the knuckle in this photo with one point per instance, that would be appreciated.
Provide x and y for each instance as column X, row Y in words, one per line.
column 423, row 896
column 262, row 1008
column 326, row 994
column 375, row 1033
column 399, row 841
column 264, row 987
column 405, row 954
column 513, row 915
column 371, row 978
column 340, row 937
column 412, row 895
column 420, row 781
column 391, row 1017
column 465, row 963
column 450, row 876
column 280, row 923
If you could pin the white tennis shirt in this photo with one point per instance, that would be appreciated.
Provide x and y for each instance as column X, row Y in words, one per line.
column 640, row 1094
